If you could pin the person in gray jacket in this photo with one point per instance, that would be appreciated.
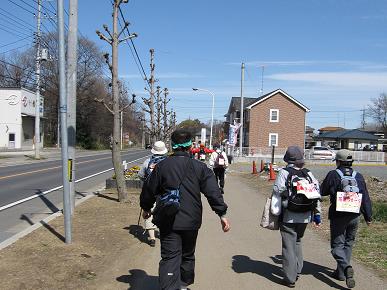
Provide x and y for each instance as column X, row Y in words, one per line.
column 293, row 224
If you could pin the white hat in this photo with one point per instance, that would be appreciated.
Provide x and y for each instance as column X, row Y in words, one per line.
column 159, row 148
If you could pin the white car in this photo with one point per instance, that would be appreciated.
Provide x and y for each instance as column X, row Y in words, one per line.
column 322, row 152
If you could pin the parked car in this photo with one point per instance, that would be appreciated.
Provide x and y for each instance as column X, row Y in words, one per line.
column 322, row 152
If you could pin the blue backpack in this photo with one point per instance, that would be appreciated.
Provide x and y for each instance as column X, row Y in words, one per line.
column 154, row 160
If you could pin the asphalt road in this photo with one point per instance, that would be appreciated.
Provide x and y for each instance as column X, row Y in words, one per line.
column 24, row 180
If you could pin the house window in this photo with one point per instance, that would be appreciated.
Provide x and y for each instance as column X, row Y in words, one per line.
column 274, row 115
column 273, row 139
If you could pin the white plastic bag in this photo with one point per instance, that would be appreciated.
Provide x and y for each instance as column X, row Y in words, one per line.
column 268, row 220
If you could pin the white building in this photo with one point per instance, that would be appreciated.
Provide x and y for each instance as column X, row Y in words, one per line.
column 17, row 118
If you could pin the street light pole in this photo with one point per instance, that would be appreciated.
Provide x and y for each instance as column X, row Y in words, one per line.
column 212, row 110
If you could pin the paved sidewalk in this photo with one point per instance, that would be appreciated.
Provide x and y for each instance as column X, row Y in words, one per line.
column 9, row 158
column 248, row 257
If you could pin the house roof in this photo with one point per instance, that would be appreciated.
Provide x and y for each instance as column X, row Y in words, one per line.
column 330, row 129
column 269, row 95
column 236, row 103
column 348, row 134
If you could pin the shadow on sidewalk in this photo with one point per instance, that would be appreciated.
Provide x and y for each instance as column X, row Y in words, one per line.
column 138, row 232
column 106, row 196
column 243, row 264
column 139, row 280
column 319, row 272
column 44, row 224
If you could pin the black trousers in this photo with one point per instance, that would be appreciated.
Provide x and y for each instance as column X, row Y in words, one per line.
column 177, row 265
column 219, row 174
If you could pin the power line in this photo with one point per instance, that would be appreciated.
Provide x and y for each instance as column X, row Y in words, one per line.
column 22, row 39
column 25, row 9
column 134, row 48
column 8, row 14
column 16, row 48
column 14, row 23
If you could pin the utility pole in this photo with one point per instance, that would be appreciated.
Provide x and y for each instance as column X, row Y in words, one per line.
column 72, row 45
column 242, row 108
column 37, row 63
column 263, row 70
column 114, row 39
column 63, row 118
column 363, row 122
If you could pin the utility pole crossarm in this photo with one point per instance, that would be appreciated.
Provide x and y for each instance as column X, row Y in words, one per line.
column 103, row 37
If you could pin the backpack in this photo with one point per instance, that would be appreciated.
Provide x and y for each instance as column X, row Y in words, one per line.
column 349, row 198
column 220, row 161
column 348, row 182
column 152, row 164
column 302, row 193
column 168, row 203
column 202, row 154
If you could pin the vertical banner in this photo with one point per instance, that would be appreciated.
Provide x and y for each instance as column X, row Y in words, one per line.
column 233, row 133
column 203, row 136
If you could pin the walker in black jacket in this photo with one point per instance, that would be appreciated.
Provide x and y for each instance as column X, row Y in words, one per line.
column 178, row 239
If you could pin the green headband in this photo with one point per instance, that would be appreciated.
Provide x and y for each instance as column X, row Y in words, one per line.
column 186, row 144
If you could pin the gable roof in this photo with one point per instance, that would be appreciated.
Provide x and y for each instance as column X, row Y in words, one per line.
column 269, row 95
column 236, row 103
column 348, row 134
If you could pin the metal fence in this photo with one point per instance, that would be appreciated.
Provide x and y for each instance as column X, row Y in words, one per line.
column 266, row 152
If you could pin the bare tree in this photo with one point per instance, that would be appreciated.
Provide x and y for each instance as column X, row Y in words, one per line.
column 150, row 102
column 378, row 112
column 113, row 39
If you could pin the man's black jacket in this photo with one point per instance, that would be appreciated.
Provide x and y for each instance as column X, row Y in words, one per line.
column 197, row 178
column 332, row 184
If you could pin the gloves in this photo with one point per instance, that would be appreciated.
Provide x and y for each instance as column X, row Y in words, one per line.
column 317, row 219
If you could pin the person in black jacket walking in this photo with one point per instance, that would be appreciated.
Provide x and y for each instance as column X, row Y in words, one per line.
column 344, row 225
column 178, row 235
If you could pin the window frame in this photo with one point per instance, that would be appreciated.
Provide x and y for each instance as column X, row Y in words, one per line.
column 271, row 116
column 276, row 139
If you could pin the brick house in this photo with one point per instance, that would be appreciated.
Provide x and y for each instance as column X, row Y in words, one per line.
column 274, row 119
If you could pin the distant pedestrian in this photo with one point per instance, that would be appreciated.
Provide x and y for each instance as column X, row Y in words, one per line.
column 345, row 185
column 295, row 209
column 178, row 234
column 219, row 164
column 159, row 152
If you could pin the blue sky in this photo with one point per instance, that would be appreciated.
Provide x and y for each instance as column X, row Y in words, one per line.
column 329, row 55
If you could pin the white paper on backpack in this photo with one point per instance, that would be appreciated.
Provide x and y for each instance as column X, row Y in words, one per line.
column 221, row 161
column 307, row 189
column 348, row 201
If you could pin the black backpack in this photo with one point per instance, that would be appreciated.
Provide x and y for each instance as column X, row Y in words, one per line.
column 297, row 201
column 220, row 161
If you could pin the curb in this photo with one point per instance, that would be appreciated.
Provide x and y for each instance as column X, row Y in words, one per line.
column 41, row 223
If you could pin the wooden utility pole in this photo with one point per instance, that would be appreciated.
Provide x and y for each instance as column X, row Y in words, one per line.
column 114, row 39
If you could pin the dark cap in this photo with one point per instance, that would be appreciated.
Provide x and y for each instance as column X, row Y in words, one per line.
column 294, row 154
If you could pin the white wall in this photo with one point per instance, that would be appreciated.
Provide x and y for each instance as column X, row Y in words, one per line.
column 10, row 117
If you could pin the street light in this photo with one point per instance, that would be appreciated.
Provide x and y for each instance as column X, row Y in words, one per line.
column 212, row 110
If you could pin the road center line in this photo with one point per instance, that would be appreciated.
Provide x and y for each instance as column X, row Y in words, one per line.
column 50, row 168
column 61, row 186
